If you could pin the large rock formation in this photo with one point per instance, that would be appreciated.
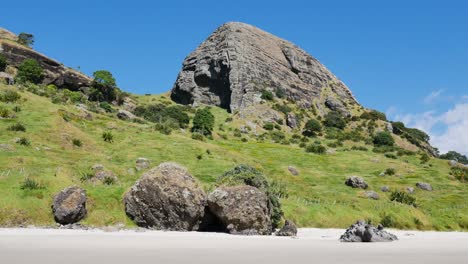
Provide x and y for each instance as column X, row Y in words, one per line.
column 238, row 61
column 166, row 197
column 241, row 210
column 69, row 205
column 54, row 72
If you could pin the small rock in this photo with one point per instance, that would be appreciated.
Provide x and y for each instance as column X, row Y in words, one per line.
column 291, row 120
column 289, row 229
column 125, row 115
column 385, row 188
column 6, row 147
column 424, row 186
column 453, row 163
column 142, row 163
column 363, row 232
column 100, row 173
column 356, row 182
column 69, row 205
column 410, row 189
column 293, row 170
column 372, row 195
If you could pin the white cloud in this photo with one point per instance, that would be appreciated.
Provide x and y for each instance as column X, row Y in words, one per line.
column 433, row 96
column 453, row 136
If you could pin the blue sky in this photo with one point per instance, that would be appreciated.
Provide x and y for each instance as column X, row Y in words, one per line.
column 406, row 58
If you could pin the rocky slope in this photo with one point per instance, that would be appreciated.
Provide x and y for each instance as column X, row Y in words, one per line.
column 232, row 67
column 54, row 72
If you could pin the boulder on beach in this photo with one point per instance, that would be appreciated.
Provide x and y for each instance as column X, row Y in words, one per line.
column 69, row 205
column 289, row 229
column 363, row 232
column 356, row 182
column 166, row 197
column 241, row 209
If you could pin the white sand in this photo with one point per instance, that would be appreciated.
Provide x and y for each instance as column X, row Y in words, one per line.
column 311, row 246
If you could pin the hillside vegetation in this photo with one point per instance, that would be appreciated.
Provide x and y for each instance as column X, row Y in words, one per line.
column 47, row 144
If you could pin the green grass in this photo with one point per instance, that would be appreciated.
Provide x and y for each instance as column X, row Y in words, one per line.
column 317, row 197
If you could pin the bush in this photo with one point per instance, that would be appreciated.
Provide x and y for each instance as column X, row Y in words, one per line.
column 9, row 96
column 17, row 108
column 390, row 171
column 460, row 173
column 280, row 93
column 267, row 95
column 316, row 148
column 160, row 113
column 403, row 152
column 283, row 108
column 390, row 155
column 30, row 184
column 383, row 149
column 277, row 136
column 30, row 71
column 203, row 122
column 24, row 141
column 108, row 180
column 359, row 148
column 244, row 174
column 106, row 106
column 4, row 112
column 374, row 115
column 17, row 127
column 198, row 136
column 387, row 221
column 268, row 126
column 402, row 197
column 383, row 139
column 334, row 119
column 76, row 142
column 453, row 155
column 108, row 136
column 424, row 158
column 311, row 128
column 3, row 63
column 26, row 39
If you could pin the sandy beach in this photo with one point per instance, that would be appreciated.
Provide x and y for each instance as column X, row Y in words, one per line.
column 31, row 245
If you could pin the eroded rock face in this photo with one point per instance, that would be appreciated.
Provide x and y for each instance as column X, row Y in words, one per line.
column 238, row 61
column 69, row 205
column 241, row 210
column 363, row 232
column 166, row 197
column 54, row 72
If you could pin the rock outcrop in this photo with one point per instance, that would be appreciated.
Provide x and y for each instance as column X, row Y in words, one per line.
column 166, row 197
column 363, row 232
column 54, row 72
column 69, row 205
column 241, row 210
column 232, row 67
column 356, row 182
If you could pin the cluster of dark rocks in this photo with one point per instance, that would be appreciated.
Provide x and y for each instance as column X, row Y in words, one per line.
column 364, row 232
column 167, row 197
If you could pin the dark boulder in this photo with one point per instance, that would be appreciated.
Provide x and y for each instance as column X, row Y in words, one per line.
column 166, row 197
column 356, row 182
column 363, row 232
column 69, row 205
column 241, row 210
column 289, row 229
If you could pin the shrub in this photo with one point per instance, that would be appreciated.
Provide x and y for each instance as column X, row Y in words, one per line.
column 30, row 71
column 160, row 113
column 334, row 119
column 4, row 112
column 3, row 63
column 77, row 142
column 424, row 158
column 280, row 93
column 199, row 156
column 30, row 184
column 402, row 197
column 383, row 149
column 229, row 119
column 267, row 95
column 387, row 221
column 106, row 106
column 17, row 127
column 108, row 180
column 359, row 148
column 268, row 126
column 17, row 108
column 390, row 171
column 390, row 155
column 311, row 128
column 9, row 96
column 459, row 173
column 244, row 140
column 26, row 39
column 453, row 155
column 104, row 87
column 244, row 174
column 203, row 122
column 24, row 141
column 277, row 136
column 283, row 108
column 383, row 138
column 316, row 148
column 403, row 152
column 198, row 136
column 108, row 136
column 374, row 115
column 86, row 176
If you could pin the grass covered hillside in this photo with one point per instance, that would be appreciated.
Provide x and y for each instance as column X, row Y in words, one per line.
column 51, row 139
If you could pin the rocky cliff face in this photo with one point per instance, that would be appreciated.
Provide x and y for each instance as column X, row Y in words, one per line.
column 238, row 61
column 55, row 73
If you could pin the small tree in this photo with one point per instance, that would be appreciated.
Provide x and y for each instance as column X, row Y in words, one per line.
column 3, row 63
column 383, row 139
column 104, row 87
column 30, row 71
column 26, row 39
column 203, row 122
column 311, row 128
column 334, row 119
